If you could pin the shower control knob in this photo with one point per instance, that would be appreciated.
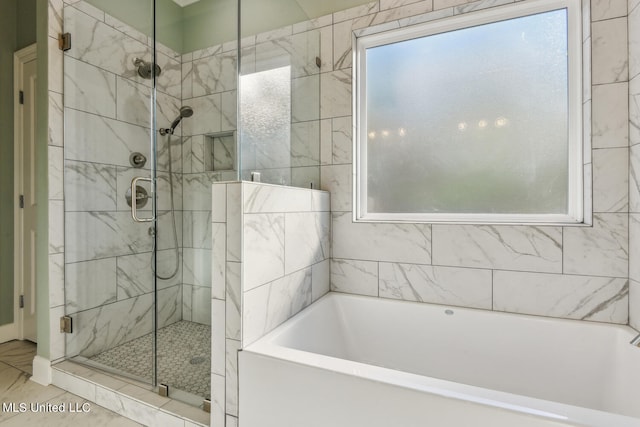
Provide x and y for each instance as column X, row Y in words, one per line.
column 137, row 160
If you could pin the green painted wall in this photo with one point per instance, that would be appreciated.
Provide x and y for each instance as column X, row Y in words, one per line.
column 8, row 41
column 42, row 182
column 26, row 23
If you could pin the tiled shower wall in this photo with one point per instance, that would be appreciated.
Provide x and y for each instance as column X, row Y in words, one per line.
column 270, row 260
column 578, row 272
column 634, row 175
column 107, row 113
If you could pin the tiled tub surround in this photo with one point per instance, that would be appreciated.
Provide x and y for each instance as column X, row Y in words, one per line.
column 577, row 272
column 500, row 369
column 634, row 163
column 270, row 259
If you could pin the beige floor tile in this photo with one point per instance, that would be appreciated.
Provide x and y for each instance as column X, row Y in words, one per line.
column 18, row 354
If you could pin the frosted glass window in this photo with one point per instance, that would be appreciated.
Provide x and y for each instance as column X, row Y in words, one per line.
column 471, row 123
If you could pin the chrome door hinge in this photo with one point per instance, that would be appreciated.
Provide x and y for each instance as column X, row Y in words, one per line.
column 64, row 41
column 66, row 324
column 21, row 97
column 21, row 302
column 21, row 201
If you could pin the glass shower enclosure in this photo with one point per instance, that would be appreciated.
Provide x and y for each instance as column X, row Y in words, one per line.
column 150, row 122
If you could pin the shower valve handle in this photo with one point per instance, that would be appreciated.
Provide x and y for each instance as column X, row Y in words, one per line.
column 134, row 210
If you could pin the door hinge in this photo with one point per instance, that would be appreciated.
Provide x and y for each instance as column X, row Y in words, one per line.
column 66, row 324
column 21, row 302
column 64, row 41
column 21, row 201
column 21, row 97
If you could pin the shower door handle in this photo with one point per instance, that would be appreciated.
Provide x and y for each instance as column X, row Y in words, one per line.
column 134, row 201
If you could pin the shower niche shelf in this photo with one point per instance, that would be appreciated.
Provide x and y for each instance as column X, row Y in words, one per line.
column 220, row 151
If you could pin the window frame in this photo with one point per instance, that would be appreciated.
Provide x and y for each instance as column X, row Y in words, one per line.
column 575, row 214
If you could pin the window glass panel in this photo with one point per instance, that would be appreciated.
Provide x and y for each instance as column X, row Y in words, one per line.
column 470, row 121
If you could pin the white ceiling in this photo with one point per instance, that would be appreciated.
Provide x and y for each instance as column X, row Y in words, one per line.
column 184, row 3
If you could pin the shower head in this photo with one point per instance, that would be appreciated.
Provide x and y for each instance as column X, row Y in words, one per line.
column 144, row 68
column 185, row 111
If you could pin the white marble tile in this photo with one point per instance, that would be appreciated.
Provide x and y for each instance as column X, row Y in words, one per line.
column 105, row 327
column 90, row 89
column 342, row 140
column 231, row 377
column 55, row 75
column 113, row 234
column 57, row 346
column 133, row 103
column 234, row 222
column 233, row 300
column 197, row 191
column 634, row 41
column 338, row 181
column 207, row 112
column 305, row 98
column 601, row 250
column 356, row 11
column 305, row 177
column 611, row 180
column 201, row 305
column 634, row 179
column 311, row 24
column 90, row 284
column 55, row 160
column 102, row 140
column 560, row 295
column 464, row 287
column 634, row 111
column 305, row 143
column 326, row 142
column 231, row 421
column 214, row 74
column 196, row 268
column 56, row 119
column 587, row 71
column 408, row 243
column 587, row 194
column 320, row 201
column 320, row 279
column 218, row 392
column 266, row 307
column 607, row 9
column 305, row 48
column 634, row 304
column 124, row 28
column 263, row 245
column 169, row 306
column 133, row 275
column 229, row 111
column 479, row 5
column 56, row 280
column 170, row 79
column 609, row 56
column 634, row 247
column 55, row 10
column 503, row 247
column 218, row 258
column 197, row 229
column 83, row 179
column 610, row 115
column 306, row 239
column 73, row 384
column 90, row 10
column 426, row 17
column 265, row 198
column 354, row 277
column 335, row 94
column 56, row 227
column 135, row 410
column 187, row 79
column 217, row 337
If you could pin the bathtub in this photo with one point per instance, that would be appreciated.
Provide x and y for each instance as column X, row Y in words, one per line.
column 357, row 361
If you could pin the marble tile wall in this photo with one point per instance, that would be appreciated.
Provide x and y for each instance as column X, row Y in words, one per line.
column 569, row 272
column 270, row 259
column 634, row 163
column 107, row 116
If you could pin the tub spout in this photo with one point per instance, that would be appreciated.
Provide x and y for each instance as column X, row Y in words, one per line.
column 636, row 341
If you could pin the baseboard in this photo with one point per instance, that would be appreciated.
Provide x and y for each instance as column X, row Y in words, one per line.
column 41, row 370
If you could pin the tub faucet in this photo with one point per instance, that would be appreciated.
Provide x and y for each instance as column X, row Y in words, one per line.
column 635, row 341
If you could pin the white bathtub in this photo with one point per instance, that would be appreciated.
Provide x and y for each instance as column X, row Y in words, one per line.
column 357, row 361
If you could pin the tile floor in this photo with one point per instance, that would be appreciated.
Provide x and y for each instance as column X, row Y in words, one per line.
column 15, row 387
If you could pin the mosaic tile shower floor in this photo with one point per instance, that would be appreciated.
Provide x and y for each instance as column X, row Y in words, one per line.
column 184, row 357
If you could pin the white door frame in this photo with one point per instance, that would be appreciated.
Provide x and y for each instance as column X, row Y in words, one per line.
column 15, row 330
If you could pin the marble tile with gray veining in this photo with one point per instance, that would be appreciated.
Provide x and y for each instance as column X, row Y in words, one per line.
column 634, row 179
column 232, row 301
column 197, row 267
column 56, row 280
column 169, row 305
column 263, row 247
column 134, row 276
column 229, row 111
column 125, row 28
column 57, row 224
column 601, row 299
column 217, row 337
column 609, row 51
column 634, row 111
column 408, row 243
column 505, row 247
column 337, row 180
column 479, row 5
column 102, row 140
column 305, row 50
column 88, row 88
column 320, row 279
column 305, row 177
column 634, row 248
column 112, row 234
column 336, row 94
column 133, row 409
column 170, row 78
column 235, row 218
column 214, row 74
column 56, row 119
column 107, row 326
column 207, row 112
column 356, row 11
column 55, row 165
column 83, row 179
column 266, row 307
column 611, row 180
column 610, row 126
column 354, row 277
column 465, row 287
column 265, row 198
column 342, row 140
column 231, row 376
column 305, row 101
column 197, row 192
column 99, row 44
column 607, row 9
column 306, row 239
column 634, row 304
column 201, row 305
column 601, row 250
column 90, row 284
column 634, row 42
column 305, row 143
column 133, row 103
